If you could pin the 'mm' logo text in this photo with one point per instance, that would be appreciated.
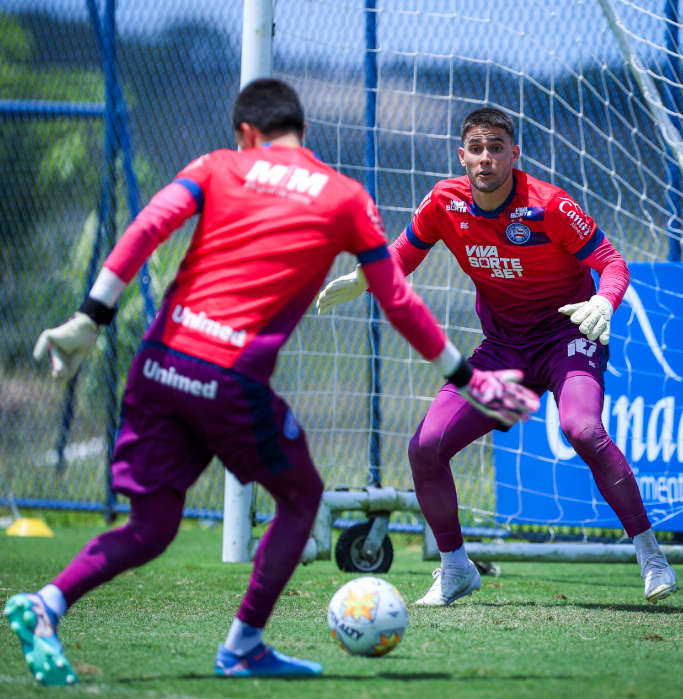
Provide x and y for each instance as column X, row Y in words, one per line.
column 285, row 179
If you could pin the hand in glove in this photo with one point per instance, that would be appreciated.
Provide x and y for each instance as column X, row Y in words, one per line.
column 340, row 290
column 499, row 395
column 67, row 345
column 593, row 317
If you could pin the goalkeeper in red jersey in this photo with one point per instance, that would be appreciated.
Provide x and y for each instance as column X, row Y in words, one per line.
column 272, row 220
column 529, row 249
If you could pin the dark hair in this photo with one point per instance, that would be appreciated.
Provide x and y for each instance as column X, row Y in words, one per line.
column 270, row 105
column 487, row 116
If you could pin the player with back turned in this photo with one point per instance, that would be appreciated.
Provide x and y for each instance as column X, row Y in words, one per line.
column 529, row 249
column 272, row 220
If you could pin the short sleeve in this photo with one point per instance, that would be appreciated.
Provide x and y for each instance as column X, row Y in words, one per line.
column 423, row 231
column 568, row 225
column 366, row 231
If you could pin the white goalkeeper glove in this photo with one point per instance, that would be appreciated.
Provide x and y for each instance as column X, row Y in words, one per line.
column 346, row 288
column 497, row 394
column 69, row 344
column 593, row 317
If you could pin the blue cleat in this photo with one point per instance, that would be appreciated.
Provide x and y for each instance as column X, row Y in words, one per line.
column 32, row 622
column 262, row 661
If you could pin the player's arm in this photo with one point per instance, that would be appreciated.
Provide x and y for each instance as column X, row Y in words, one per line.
column 594, row 317
column 579, row 234
column 407, row 251
column 69, row 344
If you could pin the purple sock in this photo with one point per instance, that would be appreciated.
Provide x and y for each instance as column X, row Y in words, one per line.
column 153, row 524
column 579, row 401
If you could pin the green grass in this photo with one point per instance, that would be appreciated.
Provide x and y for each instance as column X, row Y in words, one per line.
column 540, row 630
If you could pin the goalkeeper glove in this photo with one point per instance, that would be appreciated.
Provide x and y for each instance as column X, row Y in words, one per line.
column 593, row 317
column 496, row 393
column 69, row 344
column 346, row 288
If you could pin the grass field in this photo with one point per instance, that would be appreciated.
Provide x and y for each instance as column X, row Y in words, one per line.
column 539, row 630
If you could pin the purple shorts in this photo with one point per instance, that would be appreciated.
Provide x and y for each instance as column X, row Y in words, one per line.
column 179, row 411
column 548, row 362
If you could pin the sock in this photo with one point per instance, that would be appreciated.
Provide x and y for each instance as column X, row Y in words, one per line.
column 54, row 600
column 645, row 545
column 455, row 559
column 242, row 638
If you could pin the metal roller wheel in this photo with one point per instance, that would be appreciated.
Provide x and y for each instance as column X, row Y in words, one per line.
column 349, row 551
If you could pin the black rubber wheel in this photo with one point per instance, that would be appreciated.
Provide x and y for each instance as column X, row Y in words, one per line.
column 348, row 550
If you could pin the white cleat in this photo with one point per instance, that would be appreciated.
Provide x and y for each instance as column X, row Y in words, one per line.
column 659, row 577
column 447, row 588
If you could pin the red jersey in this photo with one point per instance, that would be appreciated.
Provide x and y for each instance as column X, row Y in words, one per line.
column 272, row 221
column 525, row 258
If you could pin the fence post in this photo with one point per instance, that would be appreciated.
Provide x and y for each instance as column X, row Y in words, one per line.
column 257, row 62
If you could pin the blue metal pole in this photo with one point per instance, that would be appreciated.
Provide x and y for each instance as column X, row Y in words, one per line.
column 46, row 109
column 111, row 150
column 375, row 476
column 672, row 102
column 125, row 144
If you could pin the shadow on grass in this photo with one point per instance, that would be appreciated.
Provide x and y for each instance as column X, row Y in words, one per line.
column 644, row 607
column 402, row 676
column 567, row 581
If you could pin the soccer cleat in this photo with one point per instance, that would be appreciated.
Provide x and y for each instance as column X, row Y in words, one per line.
column 457, row 585
column 262, row 661
column 659, row 577
column 30, row 620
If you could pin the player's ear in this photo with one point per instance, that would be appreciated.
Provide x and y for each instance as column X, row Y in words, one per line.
column 461, row 154
column 516, row 152
column 245, row 135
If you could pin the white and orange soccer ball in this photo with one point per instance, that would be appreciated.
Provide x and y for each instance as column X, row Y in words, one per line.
column 367, row 616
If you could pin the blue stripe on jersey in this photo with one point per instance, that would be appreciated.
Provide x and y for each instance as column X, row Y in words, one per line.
column 535, row 213
column 194, row 189
column 372, row 255
column 538, row 238
column 415, row 241
column 590, row 246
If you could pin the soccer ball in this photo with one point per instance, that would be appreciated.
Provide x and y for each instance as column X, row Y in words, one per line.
column 367, row 616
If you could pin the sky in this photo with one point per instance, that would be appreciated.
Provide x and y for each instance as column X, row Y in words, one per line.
column 531, row 35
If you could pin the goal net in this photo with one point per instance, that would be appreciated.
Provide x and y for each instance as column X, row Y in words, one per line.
column 386, row 86
column 596, row 102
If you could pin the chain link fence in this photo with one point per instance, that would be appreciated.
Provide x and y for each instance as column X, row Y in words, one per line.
column 554, row 67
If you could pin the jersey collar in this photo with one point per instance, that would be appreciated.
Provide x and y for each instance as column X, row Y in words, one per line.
column 496, row 212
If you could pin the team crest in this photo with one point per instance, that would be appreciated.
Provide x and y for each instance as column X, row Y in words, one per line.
column 518, row 233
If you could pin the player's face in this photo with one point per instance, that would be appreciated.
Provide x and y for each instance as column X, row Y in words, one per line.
column 488, row 155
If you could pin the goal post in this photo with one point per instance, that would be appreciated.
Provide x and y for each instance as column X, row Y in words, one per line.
column 257, row 62
column 593, row 91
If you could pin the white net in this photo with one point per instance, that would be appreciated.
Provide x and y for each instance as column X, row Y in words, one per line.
column 584, row 125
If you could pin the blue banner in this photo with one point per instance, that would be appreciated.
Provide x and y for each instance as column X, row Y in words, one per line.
column 539, row 477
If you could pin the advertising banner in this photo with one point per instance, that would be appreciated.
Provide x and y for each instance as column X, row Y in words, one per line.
column 539, row 477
